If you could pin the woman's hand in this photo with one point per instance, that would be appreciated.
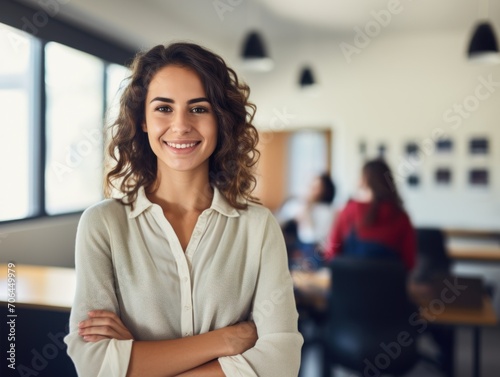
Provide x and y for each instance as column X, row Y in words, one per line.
column 240, row 337
column 102, row 324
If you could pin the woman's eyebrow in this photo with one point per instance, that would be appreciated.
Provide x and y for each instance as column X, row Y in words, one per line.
column 195, row 100
column 170, row 100
column 162, row 99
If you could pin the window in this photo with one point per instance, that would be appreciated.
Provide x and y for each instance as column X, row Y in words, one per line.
column 16, row 141
column 309, row 157
column 116, row 74
column 74, row 118
column 54, row 90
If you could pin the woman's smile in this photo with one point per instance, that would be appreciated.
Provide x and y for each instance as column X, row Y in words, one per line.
column 182, row 147
column 179, row 120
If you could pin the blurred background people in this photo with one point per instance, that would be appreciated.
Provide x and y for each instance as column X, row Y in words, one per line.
column 307, row 221
column 373, row 223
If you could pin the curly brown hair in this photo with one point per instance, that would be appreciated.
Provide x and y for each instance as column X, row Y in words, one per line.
column 230, row 165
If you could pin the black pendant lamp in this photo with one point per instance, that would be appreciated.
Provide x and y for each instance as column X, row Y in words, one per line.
column 483, row 46
column 254, row 53
column 306, row 78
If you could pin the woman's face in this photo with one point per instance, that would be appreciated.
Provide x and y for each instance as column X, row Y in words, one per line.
column 315, row 190
column 362, row 184
column 179, row 120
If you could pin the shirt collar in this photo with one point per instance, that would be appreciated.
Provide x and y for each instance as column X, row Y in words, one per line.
column 140, row 204
column 219, row 204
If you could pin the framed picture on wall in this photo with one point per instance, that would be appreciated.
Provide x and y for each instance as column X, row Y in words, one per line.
column 362, row 147
column 479, row 146
column 442, row 176
column 479, row 177
column 444, row 146
column 381, row 150
column 413, row 180
column 411, row 148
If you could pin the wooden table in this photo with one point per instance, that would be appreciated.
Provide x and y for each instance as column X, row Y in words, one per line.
column 475, row 318
column 314, row 286
column 472, row 233
column 41, row 311
column 474, row 250
column 40, row 286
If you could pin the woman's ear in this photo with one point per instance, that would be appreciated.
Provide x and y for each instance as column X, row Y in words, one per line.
column 144, row 127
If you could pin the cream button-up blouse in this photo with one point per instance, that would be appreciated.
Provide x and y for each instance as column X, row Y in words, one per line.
column 130, row 261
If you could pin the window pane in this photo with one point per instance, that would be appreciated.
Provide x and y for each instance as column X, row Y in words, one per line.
column 116, row 81
column 308, row 156
column 16, row 107
column 74, row 86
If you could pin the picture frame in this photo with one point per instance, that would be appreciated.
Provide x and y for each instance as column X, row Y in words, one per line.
column 479, row 177
column 479, row 146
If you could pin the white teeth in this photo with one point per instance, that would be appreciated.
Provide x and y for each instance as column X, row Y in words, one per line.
column 181, row 146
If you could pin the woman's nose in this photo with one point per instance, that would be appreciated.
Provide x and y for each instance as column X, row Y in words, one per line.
column 181, row 124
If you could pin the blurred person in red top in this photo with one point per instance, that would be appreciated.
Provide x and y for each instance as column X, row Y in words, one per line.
column 374, row 224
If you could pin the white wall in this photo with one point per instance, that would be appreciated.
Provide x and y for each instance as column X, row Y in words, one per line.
column 396, row 90
column 49, row 242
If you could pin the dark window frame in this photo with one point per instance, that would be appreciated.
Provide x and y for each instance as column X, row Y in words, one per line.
column 23, row 17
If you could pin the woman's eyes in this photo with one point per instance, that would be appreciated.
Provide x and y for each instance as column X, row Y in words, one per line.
column 195, row 110
column 163, row 109
column 199, row 110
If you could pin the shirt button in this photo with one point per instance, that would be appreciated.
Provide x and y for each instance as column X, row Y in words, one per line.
column 188, row 333
column 187, row 307
column 185, row 279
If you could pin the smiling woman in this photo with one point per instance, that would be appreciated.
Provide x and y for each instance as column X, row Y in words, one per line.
column 184, row 274
column 179, row 120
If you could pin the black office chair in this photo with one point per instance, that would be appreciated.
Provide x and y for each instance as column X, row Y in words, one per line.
column 432, row 259
column 39, row 347
column 433, row 264
column 369, row 330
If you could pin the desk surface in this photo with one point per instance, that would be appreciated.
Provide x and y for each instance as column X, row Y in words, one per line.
column 440, row 313
column 314, row 286
column 41, row 286
column 472, row 233
column 481, row 250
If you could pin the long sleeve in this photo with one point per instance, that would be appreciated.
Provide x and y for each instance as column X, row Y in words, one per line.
column 277, row 351
column 335, row 239
column 130, row 261
column 95, row 290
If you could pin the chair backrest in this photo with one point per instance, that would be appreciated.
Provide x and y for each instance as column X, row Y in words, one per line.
column 369, row 308
column 369, row 290
column 432, row 259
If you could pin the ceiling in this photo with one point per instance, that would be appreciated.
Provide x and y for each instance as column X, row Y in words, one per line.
column 407, row 15
column 282, row 17
column 137, row 22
